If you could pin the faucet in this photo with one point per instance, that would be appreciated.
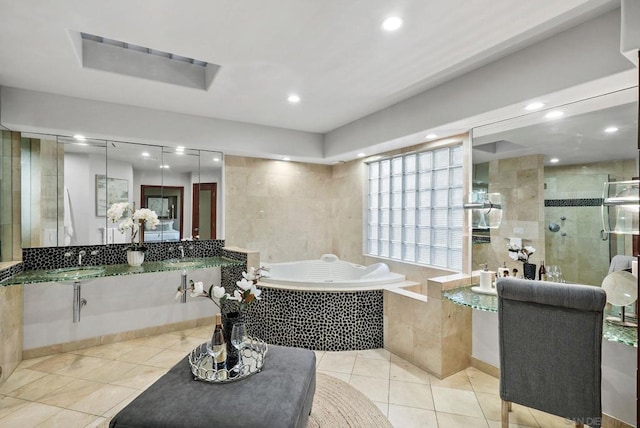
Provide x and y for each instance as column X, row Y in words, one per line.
column 181, row 248
column 80, row 255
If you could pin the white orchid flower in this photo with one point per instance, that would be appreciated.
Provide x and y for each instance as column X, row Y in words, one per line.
column 250, row 275
column 513, row 256
column 149, row 217
column 179, row 294
column 218, row 292
column 125, row 225
column 530, row 249
column 244, row 284
column 256, row 291
column 198, row 289
column 116, row 211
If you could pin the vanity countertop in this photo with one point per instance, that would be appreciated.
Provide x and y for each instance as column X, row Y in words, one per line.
column 464, row 296
column 85, row 272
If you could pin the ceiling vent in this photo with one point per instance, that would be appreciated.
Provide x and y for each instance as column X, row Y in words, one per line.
column 101, row 53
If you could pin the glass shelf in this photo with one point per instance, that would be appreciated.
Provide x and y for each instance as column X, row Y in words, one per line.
column 483, row 302
column 54, row 275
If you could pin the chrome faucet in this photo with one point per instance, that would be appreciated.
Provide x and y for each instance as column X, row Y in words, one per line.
column 181, row 248
column 80, row 255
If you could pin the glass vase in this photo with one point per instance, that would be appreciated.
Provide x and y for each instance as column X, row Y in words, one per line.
column 228, row 320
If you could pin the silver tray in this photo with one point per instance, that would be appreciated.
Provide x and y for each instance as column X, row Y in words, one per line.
column 251, row 359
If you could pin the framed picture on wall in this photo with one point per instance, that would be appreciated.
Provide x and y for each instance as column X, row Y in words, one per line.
column 159, row 205
column 109, row 191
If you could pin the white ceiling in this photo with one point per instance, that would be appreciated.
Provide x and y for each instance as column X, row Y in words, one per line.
column 332, row 53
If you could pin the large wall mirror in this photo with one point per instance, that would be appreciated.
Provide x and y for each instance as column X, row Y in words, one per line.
column 69, row 183
column 550, row 168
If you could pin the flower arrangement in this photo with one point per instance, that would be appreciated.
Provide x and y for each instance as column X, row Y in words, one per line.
column 132, row 220
column 246, row 293
column 521, row 253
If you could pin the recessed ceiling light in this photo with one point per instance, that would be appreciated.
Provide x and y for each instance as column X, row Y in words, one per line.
column 79, row 137
column 286, row 159
column 293, row 98
column 145, row 154
column 554, row 160
column 611, row 130
column 534, row 106
column 554, row 114
column 216, row 159
column 164, row 166
column 361, row 155
column 392, row 23
column 431, row 136
column 180, row 149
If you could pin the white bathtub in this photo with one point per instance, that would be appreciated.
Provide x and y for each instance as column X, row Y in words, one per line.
column 330, row 273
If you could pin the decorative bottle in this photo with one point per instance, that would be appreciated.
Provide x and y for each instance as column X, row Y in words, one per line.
column 218, row 344
column 542, row 273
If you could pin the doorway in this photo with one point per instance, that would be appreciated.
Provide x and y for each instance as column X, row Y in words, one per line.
column 205, row 205
column 168, row 203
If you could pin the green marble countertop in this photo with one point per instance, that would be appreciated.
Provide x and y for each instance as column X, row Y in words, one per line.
column 484, row 302
column 85, row 272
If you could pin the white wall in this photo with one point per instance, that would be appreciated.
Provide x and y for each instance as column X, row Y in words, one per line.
column 32, row 111
column 114, row 305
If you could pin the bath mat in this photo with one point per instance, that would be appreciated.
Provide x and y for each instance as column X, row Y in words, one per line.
column 338, row 404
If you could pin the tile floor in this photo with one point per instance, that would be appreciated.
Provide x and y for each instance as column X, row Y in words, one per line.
column 85, row 388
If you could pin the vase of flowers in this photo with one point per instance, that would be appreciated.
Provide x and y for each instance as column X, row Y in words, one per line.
column 134, row 221
column 233, row 307
column 522, row 254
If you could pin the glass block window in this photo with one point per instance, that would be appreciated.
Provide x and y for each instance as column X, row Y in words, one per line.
column 414, row 210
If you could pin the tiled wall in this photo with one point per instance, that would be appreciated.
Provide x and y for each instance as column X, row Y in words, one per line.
column 10, row 330
column 10, row 196
column 521, row 182
column 575, row 193
column 54, row 257
column 330, row 321
column 427, row 330
column 281, row 209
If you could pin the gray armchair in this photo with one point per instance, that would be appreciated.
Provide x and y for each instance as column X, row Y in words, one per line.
column 550, row 348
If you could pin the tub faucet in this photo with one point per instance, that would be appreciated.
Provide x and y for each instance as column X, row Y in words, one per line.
column 181, row 248
column 80, row 255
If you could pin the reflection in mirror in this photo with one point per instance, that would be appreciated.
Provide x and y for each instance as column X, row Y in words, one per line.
column 58, row 190
column 68, row 184
column 128, row 165
column 207, row 198
column 551, row 174
column 9, row 162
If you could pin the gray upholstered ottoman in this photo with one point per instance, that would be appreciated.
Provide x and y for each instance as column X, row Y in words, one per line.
column 279, row 396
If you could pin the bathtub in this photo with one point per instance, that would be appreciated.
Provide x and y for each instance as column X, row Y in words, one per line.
column 330, row 273
column 324, row 304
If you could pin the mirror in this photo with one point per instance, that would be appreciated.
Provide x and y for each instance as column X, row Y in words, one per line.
column 68, row 184
column 9, row 155
column 551, row 173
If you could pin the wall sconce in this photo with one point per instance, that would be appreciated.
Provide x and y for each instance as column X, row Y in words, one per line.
column 486, row 209
column 620, row 207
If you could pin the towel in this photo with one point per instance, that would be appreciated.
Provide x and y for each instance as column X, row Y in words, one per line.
column 68, row 224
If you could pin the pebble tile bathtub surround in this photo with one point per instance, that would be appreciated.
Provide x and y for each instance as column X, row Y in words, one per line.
column 11, row 271
column 54, row 257
column 328, row 321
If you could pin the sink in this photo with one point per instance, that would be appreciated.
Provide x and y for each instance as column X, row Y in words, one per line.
column 74, row 272
column 183, row 263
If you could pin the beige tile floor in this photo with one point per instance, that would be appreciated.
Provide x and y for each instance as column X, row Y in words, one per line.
column 85, row 388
